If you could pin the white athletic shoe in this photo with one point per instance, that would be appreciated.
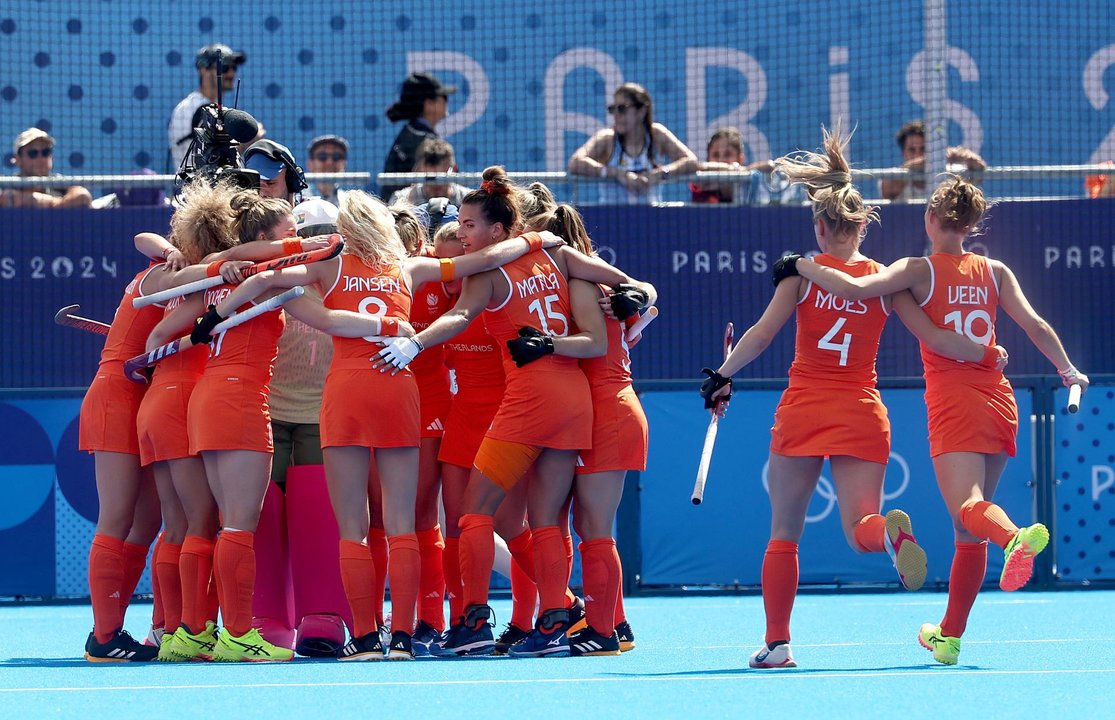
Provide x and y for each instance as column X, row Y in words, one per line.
column 155, row 637
column 778, row 657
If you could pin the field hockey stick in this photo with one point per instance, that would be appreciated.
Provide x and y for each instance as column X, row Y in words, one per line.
column 646, row 319
column 1074, row 398
column 134, row 367
column 710, row 434
column 66, row 318
column 304, row 258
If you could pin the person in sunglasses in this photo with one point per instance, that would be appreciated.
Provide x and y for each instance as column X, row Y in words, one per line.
column 327, row 154
column 636, row 152
column 33, row 154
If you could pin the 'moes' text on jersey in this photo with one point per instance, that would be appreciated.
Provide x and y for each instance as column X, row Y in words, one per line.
column 967, row 295
column 537, row 284
column 372, row 284
column 828, row 301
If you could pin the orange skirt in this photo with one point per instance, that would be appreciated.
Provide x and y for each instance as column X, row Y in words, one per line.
column 971, row 418
column 162, row 421
column 619, row 432
column 434, row 398
column 470, row 415
column 546, row 408
column 229, row 413
column 367, row 408
column 831, row 420
column 108, row 413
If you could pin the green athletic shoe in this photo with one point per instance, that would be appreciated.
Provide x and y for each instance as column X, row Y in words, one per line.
column 946, row 650
column 182, row 645
column 1018, row 563
column 249, row 647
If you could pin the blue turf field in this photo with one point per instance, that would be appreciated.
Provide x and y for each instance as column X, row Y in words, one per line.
column 1029, row 655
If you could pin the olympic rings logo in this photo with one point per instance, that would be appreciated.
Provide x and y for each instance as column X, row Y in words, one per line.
column 826, row 491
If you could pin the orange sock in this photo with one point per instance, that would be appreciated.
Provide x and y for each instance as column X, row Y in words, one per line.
column 106, row 576
column 478, row 555
column 167, row 557
column 377, row 544
column 602, row 577
column 195, row 568
column 549, row 568
column 451, row 564
column 524, row 593
column 406, row 573
column 969, row 567
column 780, row 586
column 135, row 560
column 431, row 588
column 358, row 576
column 987, row 520
column 158, row 613
column 869, row 533
column 234, row 562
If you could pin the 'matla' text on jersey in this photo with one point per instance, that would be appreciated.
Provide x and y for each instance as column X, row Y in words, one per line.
column 537, row 284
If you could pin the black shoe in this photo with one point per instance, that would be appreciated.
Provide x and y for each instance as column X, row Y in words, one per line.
column 365, row 647
column 471, row 635
column 626, row 636
column 424, row 636
column 121, row 647
column 589, row 642
column 510, row 635
column 400, row 647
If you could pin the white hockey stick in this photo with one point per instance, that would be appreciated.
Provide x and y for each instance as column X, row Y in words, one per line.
column 710, row 434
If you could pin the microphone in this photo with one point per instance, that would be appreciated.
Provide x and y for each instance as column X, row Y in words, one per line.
column 240, row 126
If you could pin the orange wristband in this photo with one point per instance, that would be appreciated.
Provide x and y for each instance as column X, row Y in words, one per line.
column 990, row 357
column 389, row 326
column 448, row 269
column 534, row 242
column 292, row 246
column 213, row 269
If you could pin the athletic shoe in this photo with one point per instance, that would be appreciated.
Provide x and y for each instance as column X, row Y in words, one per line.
column 365, row 647
column 1018, row 563
column 184, row 645
column 626, row 636
column 577, row 621
column 510, row 635
column 767, row 657
column 547, row 639
column 400, row 647
column 424, row 637
column 121, row 647
column 908, row 557
column 320, row 636
column 589, row 642
column 945, row 649
column 249, row 647
column 385, row 631
column 470, row 635
column 155, row 636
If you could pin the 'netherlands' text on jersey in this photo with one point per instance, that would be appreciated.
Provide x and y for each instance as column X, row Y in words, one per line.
column 361, row 289
column 838, row 339
column 963, row 297
column 474, row 357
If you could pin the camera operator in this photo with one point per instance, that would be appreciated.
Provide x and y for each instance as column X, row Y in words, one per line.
column 185, row 118
column 279, row 175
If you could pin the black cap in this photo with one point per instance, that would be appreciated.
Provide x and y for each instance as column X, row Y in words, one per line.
column 321, row 139
column 419, row 86
column 207, row 56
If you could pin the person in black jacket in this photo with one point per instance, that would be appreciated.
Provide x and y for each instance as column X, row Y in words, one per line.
column 423, row 103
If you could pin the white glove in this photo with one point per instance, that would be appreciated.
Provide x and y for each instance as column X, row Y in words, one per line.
column 399, row 352
column 1071, row 376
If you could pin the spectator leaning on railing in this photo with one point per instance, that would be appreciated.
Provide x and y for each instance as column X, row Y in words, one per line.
column 725, row 152
column 636, row 152
column 434, row 156
column 33, row 154
column 911, row 139
column 327, row 154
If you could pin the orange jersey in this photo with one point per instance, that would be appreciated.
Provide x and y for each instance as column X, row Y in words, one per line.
column 188, row 365
column 971, row 408
column 249, row 349
column 547, row 402
column 431, row 301
column 614, row 366
column 838, row 339
column 361, row 289
column 478, row 368
column 475, row 359
column 130, row 326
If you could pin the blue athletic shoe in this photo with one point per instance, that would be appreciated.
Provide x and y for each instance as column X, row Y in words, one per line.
column 547, row 639
column 424, row 637
column 470, row 635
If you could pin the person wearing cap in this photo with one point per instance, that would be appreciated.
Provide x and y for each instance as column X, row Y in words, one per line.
column 423, row 103
column 435, row 155
column 327, row 154
column 33, row 154
column 180, row 131
column 279, row 175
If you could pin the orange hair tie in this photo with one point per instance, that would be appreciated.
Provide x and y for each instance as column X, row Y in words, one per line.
column 389, row 326
column 213, row 269
column 534, row 242
column 292, row 246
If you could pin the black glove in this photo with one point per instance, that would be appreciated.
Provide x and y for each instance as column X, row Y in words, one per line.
column 627, row 300
column 712, row 383
column 529, row 346
column 203, row 326
column 785, row 267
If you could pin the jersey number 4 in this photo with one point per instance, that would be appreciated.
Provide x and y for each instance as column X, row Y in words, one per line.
column 826, row 343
